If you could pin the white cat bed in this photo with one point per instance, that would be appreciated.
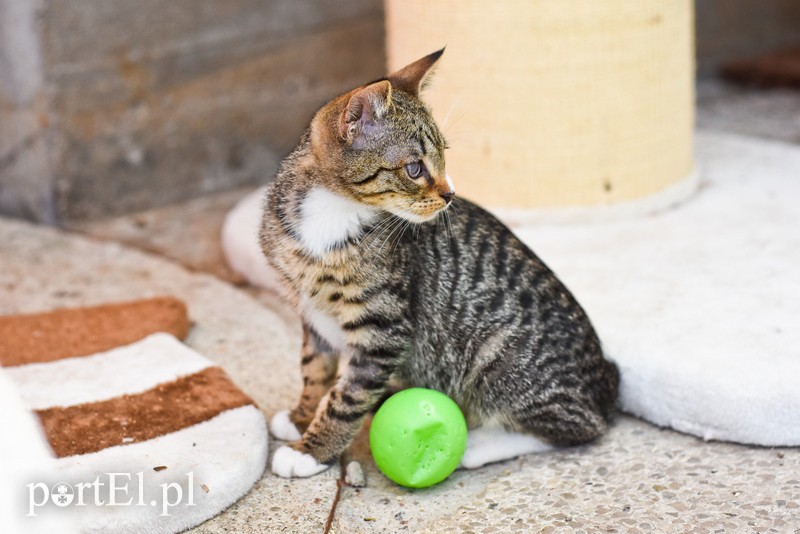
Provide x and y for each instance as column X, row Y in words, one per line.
column 240, row 241
column 699, row 305
column 23, row 441
column 211, row 460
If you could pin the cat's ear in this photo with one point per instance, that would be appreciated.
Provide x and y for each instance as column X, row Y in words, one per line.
column 414, row 77
column 364, row 110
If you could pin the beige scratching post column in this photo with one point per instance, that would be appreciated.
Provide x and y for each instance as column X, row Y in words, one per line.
column 567, row 109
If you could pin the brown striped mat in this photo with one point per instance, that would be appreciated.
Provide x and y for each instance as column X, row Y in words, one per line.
column 117, row 392
column 44, row 337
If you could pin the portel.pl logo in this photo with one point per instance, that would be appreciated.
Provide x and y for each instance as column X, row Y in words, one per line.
column 110, row 489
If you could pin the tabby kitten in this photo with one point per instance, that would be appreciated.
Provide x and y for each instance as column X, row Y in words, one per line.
column 392, row 296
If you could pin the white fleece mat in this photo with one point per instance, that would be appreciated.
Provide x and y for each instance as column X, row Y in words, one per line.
column 161, row 484
column 699, row 305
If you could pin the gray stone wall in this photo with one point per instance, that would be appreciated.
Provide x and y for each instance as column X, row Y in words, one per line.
column 109, row 106
column 26, row 184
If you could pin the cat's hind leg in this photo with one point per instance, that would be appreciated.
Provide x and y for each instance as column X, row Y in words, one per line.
column 493, row 443
column 566, row 420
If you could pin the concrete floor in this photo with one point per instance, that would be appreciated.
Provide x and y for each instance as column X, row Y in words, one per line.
column 637, row 478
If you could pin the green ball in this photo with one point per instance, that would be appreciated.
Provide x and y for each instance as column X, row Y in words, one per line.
column 418, row 437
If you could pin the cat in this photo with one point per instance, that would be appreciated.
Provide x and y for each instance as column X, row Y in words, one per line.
column 393, row 293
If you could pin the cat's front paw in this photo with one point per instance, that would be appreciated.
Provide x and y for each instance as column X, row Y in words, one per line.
column 290, row 463
column 282, row 427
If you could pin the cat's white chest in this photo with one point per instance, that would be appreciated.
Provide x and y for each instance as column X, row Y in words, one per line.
column 329, row 219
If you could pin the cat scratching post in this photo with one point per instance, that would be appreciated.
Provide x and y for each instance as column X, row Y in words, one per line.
column 554, row 104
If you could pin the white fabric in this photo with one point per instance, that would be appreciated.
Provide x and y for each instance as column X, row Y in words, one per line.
column 225, row 455
column 125, row 370
column 25, row 458
column 240, row 241
column 699, row 304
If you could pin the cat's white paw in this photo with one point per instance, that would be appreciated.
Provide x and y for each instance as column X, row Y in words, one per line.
column 282, row 427
column 289, row 463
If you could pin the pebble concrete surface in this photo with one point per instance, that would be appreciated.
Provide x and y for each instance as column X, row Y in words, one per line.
column 637, row 478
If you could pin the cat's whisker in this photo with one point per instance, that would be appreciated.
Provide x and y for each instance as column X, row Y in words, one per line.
column 367, row 238
column 450, row 235
column 446, row 129
column 397, row 228
column 380, row 230
column 400, row 237
column 446, row 118
column 394, row 240
column 377, row 241
column 398, row 224
column 414, row 229
column 377, row 228
column 388, row 238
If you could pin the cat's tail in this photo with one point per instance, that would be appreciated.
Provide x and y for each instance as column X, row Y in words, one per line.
column 607, row 390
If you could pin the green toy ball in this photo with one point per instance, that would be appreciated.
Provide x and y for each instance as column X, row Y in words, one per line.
column 418, row 437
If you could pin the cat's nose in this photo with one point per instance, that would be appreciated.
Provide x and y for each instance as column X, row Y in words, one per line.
column 447, row 190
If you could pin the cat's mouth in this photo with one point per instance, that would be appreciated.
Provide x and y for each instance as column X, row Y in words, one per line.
column 420, row 211
column 417, row 217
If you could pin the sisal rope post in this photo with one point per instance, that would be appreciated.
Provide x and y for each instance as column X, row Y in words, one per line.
column 550, row 104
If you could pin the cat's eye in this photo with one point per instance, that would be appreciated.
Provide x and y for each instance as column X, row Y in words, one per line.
column 414, row 170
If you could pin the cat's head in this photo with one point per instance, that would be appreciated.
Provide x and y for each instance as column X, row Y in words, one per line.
column 378, row 144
